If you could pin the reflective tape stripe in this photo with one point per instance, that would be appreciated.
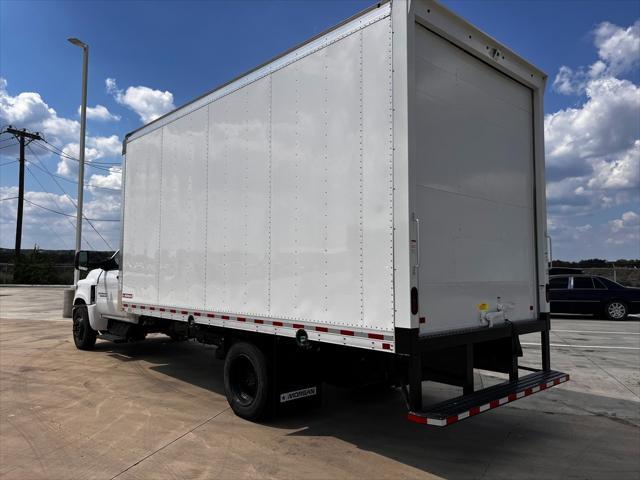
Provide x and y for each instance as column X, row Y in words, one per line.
column 426, row 420
column 335, row 334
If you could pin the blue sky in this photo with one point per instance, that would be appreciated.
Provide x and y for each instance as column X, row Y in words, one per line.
column 163, row 54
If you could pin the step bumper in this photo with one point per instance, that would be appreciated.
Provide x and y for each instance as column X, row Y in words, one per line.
column 465, row 406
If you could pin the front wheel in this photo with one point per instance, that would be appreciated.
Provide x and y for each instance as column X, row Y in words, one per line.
column 83, row 335
column 616, row 310
column 246, row 381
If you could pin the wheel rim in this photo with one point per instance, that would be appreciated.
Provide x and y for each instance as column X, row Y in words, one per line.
column 243, row 380
column 616, row 310
column 78, row 327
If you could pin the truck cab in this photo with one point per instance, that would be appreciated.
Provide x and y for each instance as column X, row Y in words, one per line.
column 97, row 308
column 96, row 299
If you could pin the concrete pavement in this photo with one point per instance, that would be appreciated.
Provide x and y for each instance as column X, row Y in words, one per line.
column 157, row 410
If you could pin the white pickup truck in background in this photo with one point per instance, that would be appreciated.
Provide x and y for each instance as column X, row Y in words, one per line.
column 367, row 208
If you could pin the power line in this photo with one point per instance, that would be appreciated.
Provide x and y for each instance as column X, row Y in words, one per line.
column 7, row 198
column 21, row 135
column 70, row 157
column 75, row 182
column 64, row 155
column 8, row 163
column 73, row 216
column 72, row 202
column 56, row 202
column 10, row 145
column 57, row 205
column 49, row 209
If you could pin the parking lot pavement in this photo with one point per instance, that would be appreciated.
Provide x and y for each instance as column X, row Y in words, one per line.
column 157, row 410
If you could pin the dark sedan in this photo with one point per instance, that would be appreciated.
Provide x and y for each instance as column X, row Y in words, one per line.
column 588, row 294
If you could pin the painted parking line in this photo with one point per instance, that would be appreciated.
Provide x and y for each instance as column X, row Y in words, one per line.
column 595, row 331
column 566, row 345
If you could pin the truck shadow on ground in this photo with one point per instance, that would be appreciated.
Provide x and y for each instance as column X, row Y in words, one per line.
column 530, row 438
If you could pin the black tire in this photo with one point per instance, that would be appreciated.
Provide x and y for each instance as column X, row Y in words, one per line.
column 83, row 335
column 247, row 381
column 616, row 310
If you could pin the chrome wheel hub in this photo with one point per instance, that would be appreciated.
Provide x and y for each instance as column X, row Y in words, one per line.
column 616, row 310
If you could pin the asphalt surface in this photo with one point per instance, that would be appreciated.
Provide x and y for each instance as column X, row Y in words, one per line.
column 157, row 410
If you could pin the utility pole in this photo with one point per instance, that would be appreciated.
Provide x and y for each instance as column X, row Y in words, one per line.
column 21, row 135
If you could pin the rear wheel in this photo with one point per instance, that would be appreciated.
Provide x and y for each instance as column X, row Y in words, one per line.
column 616, row 310
column 246, row 381
column 83, row 335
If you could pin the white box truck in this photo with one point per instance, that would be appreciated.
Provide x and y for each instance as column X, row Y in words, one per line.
column 367, row 207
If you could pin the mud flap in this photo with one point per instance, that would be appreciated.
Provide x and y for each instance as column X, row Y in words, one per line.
column 297, row 382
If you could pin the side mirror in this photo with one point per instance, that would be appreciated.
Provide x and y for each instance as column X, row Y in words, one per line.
column 83, row 261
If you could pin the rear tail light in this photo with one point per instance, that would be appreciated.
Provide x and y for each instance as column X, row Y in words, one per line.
column 414, row 301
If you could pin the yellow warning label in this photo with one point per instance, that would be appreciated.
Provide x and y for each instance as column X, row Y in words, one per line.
column 483, row 306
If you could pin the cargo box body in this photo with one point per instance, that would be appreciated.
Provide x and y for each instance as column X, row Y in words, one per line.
column 401, row 150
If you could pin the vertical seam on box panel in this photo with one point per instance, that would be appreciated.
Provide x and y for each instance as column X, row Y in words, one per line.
column 206, row 208
column 160, row 213
column 123, row 183
column 325, row 220
column 393, row 179
column 296, row 217
column 361, row 186
column 246, row 203
column 190, row 230
column 225, row 196
column 391, row 161
column 269, row 246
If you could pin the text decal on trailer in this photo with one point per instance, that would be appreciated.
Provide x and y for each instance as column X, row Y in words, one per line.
column 305, row 392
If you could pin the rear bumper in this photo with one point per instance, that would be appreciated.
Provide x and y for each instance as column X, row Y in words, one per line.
column 465, row 406
column 451, row 357
column 482, row 334
column 408, row 341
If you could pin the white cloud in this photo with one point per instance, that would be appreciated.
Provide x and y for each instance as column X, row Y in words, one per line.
column 111, row 181
column 618, row 47
column 565, row 81
column 28, row 110
column 100, row 113
column 618, row 52
column 96, row 148
column 149, row 104
column 44, row 227
column 607, row 122
column 593, row 151
column 621, row 172
column 628, row 219
column 54, row 230
column 625, row 230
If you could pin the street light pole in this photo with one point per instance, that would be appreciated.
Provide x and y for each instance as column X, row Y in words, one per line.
column 83, row 126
